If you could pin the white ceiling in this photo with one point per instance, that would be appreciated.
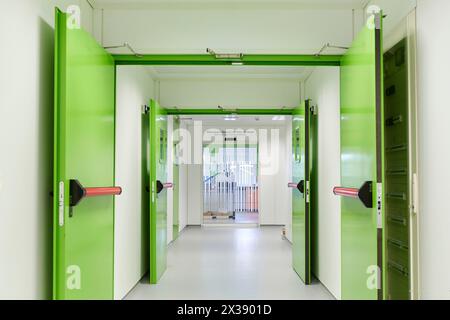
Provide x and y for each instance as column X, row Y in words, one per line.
column 229, row 72
column 319, row 4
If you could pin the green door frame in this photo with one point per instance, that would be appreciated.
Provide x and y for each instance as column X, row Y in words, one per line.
column 246, row 60
column 224, row 112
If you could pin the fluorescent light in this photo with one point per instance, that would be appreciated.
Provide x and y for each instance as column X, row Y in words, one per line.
column 279, row 118
column 231, row 117
column 237, row 63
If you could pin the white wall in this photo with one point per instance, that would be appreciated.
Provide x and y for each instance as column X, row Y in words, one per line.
column 232, row 28
column 395, row 12
column 275, row 199
column 134, row 89
column 288, row 163
column 236, row 93
column 323, row 87
column 195, row 195
column 194, row 182
column 433, row 62
column 183, row 194
column 26, row 144
column 170, row 197
column 395, row 22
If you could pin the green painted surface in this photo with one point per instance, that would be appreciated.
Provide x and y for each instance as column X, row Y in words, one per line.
column 176, row 178
column 397, row 172
column 314, row 193
column 359, row 234
column 145, row 199
column 158, row 202
column 208, row 60
column 84, row 150
column 228, row 112
column 300, row 212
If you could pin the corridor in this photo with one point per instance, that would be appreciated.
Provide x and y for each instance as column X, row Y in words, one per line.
column 224, row 150
column 230, row 264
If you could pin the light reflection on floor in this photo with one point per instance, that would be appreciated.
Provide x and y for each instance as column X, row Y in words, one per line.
column 225, row 263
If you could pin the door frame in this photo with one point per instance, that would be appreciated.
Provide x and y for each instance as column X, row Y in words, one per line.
column 258, row 177
column 249, row 60
column 245, row 59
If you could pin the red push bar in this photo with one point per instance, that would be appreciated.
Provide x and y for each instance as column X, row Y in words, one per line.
column 98, row 192
column 168, row 185
column 78, row 192
column 346, row 192
column 292, row 185
column 364, row 193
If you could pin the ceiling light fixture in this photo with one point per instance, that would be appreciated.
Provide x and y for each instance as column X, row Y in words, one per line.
column 231, row 117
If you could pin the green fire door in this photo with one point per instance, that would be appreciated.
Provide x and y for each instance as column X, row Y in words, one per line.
column 362, row 172
column 176, row 177
column 301, row 193
column 83, row 165
column 158, row 191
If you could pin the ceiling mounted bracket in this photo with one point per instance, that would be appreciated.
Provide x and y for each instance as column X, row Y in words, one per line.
column 228, row 110
column 329, row 46
column 177, row 117
column 129, row 47
column 225, row 56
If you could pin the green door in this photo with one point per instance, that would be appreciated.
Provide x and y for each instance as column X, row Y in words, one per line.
column 362, row 164
column 158, row 194
column 83, row 156
column 301, row 246
column 176, row 177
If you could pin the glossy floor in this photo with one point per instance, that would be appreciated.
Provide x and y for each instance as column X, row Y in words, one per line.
column 231, row 264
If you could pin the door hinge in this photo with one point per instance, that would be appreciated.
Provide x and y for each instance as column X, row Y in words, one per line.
column 61, row 203
column 314, row 110
column 380, row 205
column 145, row 109
column 307, row 192
column 153, row 192
column 377, row 18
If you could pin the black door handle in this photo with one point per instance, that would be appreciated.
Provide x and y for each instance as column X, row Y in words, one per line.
column 301, row 186
column 161, row 186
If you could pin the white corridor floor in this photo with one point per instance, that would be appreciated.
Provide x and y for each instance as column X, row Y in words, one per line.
column 226, row 263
